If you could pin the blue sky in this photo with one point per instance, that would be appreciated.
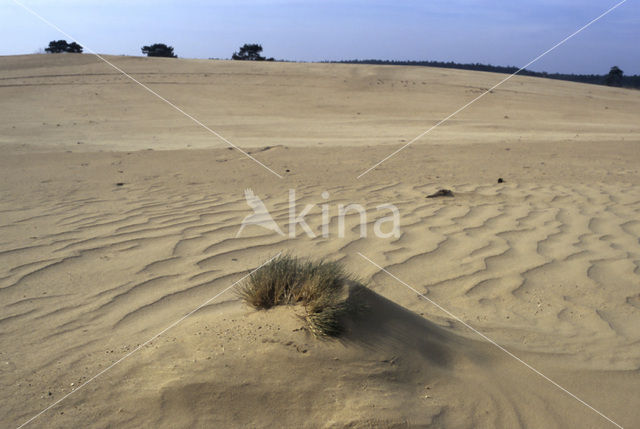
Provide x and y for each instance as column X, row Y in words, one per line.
column 497, row 32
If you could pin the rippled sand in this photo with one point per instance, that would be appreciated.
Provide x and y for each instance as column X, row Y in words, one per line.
column 105, row 243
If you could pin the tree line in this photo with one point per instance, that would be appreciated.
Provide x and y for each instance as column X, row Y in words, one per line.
column 252, row 52
column 615, row 77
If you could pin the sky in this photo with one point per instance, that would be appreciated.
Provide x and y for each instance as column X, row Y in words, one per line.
column 502, row 32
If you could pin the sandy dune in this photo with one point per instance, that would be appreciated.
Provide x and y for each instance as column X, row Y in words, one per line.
column 547, row 263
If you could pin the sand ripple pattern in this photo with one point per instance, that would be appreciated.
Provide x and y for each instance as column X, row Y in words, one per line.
column 92, row 278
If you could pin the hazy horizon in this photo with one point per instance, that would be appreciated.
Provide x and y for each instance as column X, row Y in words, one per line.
column 463, row 31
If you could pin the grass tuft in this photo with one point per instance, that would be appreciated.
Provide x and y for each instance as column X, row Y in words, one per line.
column 319, row 286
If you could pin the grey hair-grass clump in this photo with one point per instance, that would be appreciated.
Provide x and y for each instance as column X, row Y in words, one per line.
column 319, row 286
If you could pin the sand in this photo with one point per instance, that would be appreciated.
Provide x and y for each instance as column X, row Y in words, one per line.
column 547, row 263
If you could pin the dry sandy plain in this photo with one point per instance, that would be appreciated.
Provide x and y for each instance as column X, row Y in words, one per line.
column 547, row 263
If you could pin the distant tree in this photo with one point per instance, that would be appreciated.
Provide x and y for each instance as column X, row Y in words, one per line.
column 159, row 50
column 59, row 46
column 74, row 48
column 250, row 52
column 614, row 78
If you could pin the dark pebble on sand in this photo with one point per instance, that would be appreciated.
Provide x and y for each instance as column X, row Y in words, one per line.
column 441, row 193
